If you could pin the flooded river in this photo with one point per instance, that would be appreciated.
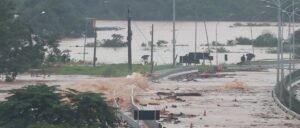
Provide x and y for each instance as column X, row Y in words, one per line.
column 185, row 35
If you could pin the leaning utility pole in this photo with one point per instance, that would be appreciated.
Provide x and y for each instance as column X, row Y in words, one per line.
column 174, row 27
column 95, row 44
column 152, row 44
column 129, row 39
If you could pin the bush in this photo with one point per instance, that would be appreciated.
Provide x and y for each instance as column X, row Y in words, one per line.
column 222, row 50
column 231, row 43
column 266, row 40
column 116, row 41
column 162, row 43
column 243, row 41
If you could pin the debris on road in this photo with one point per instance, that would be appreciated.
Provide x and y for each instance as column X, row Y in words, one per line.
column 236, row 85
column 198, row 75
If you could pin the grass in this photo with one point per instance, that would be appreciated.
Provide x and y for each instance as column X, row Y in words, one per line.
column 263, row 62
column 106, row 70
column 207, row 68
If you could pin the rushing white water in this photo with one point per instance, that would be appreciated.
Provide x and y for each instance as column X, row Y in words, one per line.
column 163, row 31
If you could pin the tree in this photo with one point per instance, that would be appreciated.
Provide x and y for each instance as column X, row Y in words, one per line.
column 91, row 110
column 19, row 49
column 35, row 103
column 47, row 125
column 48, row 107
column 116, row 41
column 297, row 36
column 243, row 41
column 265, row 40
column 52, row 16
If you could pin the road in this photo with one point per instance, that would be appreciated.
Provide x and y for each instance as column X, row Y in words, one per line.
column 240, row 101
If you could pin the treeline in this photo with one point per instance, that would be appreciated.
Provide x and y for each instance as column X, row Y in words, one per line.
column 212, row 10
column 67, row 17
column 58, row 17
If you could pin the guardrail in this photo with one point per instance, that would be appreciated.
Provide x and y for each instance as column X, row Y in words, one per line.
column 149, row 123
column 122, row 115
column 285, row 97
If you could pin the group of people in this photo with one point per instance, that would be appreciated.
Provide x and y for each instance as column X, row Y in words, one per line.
column 247, row 58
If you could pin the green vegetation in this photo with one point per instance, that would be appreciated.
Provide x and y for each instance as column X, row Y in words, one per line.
column 230, row 43
column 19, row 49
column 243, row 41
column 106, row 70
column 222, row 50
column 214, row 43
column 265, row 40
column 48, row 107
column 263, row 62
column 162, row 43
column 207, row 68
column 51, row 17
column 233, row 10
column 67, row 17
column 116, row 41
column 297, row 36
column 47, row 125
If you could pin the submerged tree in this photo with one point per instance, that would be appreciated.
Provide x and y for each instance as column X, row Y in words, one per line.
column 266, row 40
column 116, row 41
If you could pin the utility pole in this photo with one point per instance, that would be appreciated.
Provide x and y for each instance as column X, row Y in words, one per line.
column 196, row 32
column 85, row 36
column 174, row 27
column 95, row 44
column 292, row 42
column 129, row 39
column 252, row 41
column 206, row 40
column 293, row 20
column 196, row 35
column 217, row 54
column 279, row 48
column 152, row 44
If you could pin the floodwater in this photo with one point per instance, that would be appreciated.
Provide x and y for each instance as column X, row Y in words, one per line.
column 185, row 35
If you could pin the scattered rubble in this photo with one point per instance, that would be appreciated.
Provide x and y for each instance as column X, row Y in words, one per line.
column 177, row 94
column 171, row 117
column 197, row 75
